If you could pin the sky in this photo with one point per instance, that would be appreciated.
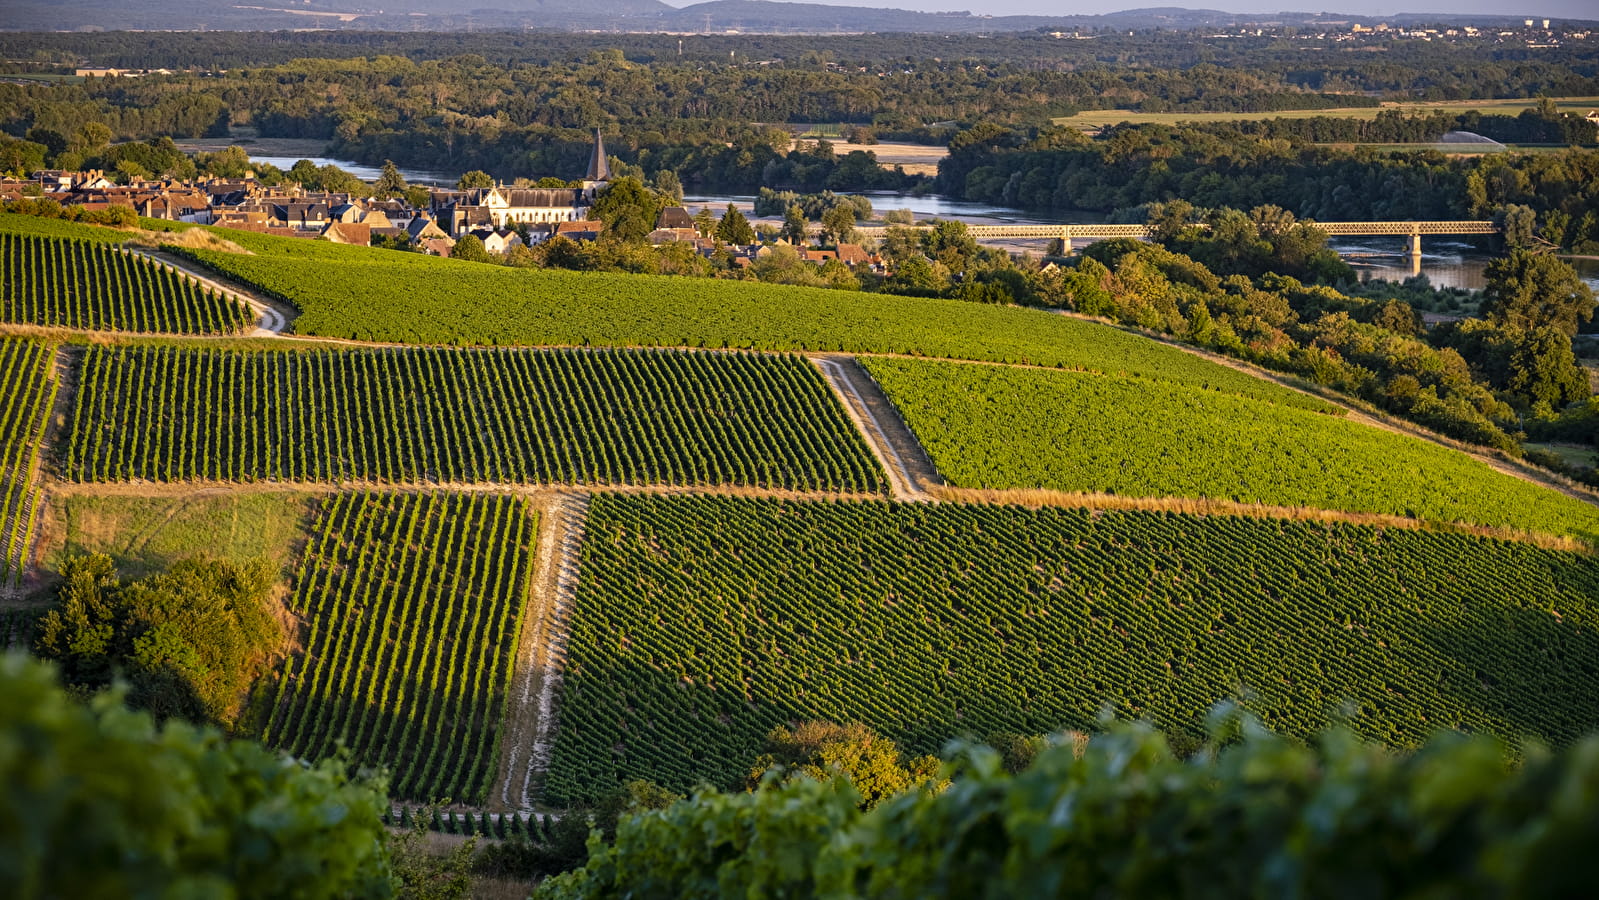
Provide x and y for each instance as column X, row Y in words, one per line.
column 1554, row 9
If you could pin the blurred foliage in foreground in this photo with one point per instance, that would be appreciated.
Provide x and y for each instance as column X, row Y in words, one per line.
column 1251, row 815
column 96, row 801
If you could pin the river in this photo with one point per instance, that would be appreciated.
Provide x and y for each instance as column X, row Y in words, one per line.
column 1447, row 262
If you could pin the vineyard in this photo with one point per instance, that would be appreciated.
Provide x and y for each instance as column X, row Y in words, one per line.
column 95, row 286
column 701, row 622
column 162, row 413
column 27, row 391
column 998, row 427
column 410, row 605
column 365, row 293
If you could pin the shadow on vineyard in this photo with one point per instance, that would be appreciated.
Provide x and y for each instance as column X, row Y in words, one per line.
column 701, row 622
column 1527, row 668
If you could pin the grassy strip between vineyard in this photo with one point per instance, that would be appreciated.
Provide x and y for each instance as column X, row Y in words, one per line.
column 410, row 605
column 145, row 534
column 702, row 622
column 91, row 285
column 418, row 415
column 1004, row 427
column 363, row 293
column 27, row 392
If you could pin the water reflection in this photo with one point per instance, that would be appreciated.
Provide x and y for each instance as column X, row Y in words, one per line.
column 363, row 172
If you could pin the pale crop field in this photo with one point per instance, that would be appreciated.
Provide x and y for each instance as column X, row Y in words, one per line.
column 1095, row 118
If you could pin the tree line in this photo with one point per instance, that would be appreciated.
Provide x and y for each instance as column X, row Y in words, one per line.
column 1238, row 165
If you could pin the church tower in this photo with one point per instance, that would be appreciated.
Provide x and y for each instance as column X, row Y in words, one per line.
column 599, row 168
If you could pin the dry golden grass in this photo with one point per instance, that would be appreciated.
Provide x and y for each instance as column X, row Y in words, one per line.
column 191, row 238
column 1204, row 506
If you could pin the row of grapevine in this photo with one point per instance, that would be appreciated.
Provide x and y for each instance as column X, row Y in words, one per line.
column 1005, row 427
column 532, row 827
column 701, row 622
column 414, row 415
column 27, row 392
column 410, row 605
column 91, row 285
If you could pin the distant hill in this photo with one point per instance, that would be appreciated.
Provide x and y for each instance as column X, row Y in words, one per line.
column 622, row 15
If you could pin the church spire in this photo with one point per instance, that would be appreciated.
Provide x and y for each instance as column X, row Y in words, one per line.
column 599, row 166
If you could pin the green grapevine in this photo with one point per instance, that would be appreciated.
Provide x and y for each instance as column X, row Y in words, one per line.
column 415, row 415
column 701, row 622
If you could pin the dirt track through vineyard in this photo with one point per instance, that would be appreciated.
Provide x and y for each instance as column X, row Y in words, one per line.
column 273, row 320
column 910, row 471
column 541, row 651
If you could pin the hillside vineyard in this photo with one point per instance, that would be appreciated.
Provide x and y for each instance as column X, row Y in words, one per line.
column 27, row 390
column 94, row 286
column 414, row 415
column 988, row 426
column 367, row 294
column 412, row 603
column 702, row 622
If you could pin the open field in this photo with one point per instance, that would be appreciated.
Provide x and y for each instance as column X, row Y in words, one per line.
column 700, row 623
column 1573, row 454
column 144, row 534
column 411, row 605
column 1097, row 118
column 990, row 426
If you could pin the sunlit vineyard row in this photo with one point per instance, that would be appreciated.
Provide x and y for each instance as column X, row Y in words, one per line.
column 410, row 415
column 410, row 604
column 89, row 285
column 370, row 294
column 27, row 391
column 702, row 622
column 1004, row 427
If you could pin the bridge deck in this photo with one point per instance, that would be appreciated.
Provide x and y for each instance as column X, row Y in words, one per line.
column 1401, row 229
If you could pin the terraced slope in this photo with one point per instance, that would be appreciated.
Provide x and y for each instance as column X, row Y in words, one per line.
column 162, row 413
column 1003, row 427
column 90, row 285
column 701, row 622
column 27, row 391
column 411, row 605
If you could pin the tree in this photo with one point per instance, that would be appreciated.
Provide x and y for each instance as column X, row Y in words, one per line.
column 794, row 225
column 919, row 276
column 900, row 244
column 424, row 875
column 1516, row 226
column 949, row 242
column 838, row 224
column 825, row 750
column 391, row 183
column 734, row 228
column 667, row 184
column 477, row 178
column 1528, row 290
column 704, row 222
column 628, row 209
column 191, row 640
column 1167, row 221
column 418, row 197
column 96, row 801
column 469, row 248
column 91, row 137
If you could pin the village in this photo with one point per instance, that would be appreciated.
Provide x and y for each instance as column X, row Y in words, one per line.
column 503, row 218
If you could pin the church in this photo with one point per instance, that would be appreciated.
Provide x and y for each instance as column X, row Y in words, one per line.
column 498, row 208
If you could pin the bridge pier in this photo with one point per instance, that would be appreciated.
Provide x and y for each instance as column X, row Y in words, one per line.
column 1415, row 253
